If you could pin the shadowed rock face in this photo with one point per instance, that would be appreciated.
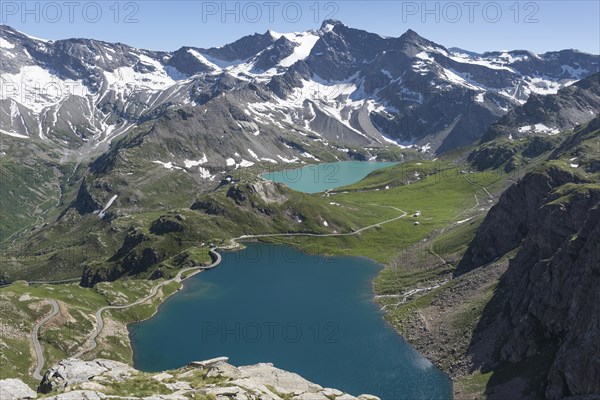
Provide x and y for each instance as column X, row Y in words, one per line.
column 91, row 276
column 550, row 302
column 130, row 258
column 84, row 202
column 165, row 225
column 208, row 207
column 510, row 221
column 555, row 296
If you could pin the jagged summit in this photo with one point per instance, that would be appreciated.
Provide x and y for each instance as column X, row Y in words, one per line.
column 411, row 37
column 410, row 34
column 329, row 24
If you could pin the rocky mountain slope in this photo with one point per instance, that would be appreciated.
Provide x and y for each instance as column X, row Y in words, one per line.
column 516, row 317
column 548, row 115
column 104, row 125
column 211, row 379
column 547, row 302
column 337, row 84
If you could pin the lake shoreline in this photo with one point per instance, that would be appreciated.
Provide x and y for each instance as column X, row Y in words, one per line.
column 368, row 286
column 238, row 246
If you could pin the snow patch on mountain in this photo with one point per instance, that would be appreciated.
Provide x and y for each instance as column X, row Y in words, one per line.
column 249, row 127
column 538, row 128
column 37, row 88
column 204, row 60
column 205, row 174
column 404, row 145
column 13, row 134
column 424, row 56
column 387, row 73
column 466, row 59
column 125, row 80
column 288, row 160
column 541, row 128
column 245, row 163
column 327, row 28
column 253, row 154
column 305, row 41
column 168, row 165
column 5, row 44
column 421, row 67
column 538, row 85
column 102, row 212
column 575, row 72
column 174, row 74
column 308, row 155
column 190, row 163
column 455, row 78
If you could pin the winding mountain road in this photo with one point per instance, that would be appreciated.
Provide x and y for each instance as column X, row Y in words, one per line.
column 356, row 232
column 36, row 342
column 91, row 342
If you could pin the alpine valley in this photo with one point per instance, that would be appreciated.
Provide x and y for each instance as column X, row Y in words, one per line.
column 124, row 171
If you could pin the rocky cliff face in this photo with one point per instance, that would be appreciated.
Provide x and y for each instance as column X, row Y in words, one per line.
column 511, row 220
column 212, row 379
column 543, row 322
column 554, row 298
column 549, row 303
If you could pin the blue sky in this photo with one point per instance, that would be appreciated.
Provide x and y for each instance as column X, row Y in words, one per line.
column 167, row 25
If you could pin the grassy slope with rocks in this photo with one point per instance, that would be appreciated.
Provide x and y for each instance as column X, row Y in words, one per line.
column 75, row 239
column 22, row 305
column 30, row 175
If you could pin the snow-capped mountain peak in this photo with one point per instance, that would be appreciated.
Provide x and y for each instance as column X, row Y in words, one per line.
column 337, row 83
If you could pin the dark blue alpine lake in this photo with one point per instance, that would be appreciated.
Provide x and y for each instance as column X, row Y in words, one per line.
column 304, row 313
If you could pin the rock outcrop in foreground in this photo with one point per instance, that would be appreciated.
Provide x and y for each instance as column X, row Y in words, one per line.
column 74, row 379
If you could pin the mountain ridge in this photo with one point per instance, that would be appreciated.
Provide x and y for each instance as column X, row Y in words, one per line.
column 402, row 81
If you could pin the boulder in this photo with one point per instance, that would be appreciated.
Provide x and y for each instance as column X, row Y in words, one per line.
column 79, row 395
column 288, row 381
column 329, row 392
column 15, row 389
column 73, row 371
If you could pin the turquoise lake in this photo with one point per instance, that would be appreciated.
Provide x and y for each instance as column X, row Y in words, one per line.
column 320, row 177
column 303, row 313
